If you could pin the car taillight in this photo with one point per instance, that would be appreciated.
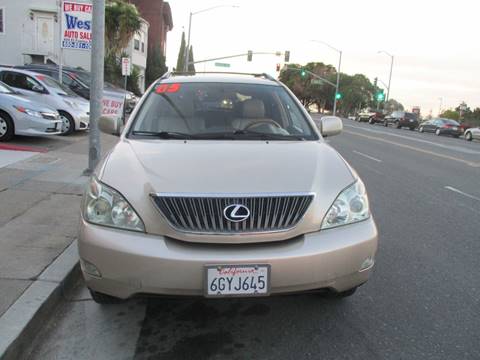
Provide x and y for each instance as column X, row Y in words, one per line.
column 447, row 126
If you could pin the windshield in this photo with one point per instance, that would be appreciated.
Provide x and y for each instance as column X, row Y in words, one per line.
column 5, row 89
column 219, row 110
column 59, row 88
column 83, row 76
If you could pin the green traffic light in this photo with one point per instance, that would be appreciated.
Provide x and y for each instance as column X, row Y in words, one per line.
column 338, row 96
column 303, row 73
column 380, row 97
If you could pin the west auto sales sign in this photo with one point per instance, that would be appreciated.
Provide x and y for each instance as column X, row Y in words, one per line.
column 76, row 25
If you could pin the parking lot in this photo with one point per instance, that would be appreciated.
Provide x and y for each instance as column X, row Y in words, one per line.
column 422, row 302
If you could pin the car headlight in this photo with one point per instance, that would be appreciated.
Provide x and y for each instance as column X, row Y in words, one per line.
column 103, row 205
column 351, row 206
column 28, row 111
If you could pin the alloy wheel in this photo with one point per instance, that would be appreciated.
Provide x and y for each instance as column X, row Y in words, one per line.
column 3, row 127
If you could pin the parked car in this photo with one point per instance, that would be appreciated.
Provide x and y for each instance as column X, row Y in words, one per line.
column 472, row 133
column 21, row 116
column 79, row 80
column 221, row 186
column 74, row 110
column 402, row 119
column 371, row 116
column 441, row 127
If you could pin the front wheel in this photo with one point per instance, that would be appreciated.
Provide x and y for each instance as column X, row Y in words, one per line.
column 385, row 123
column 371, row 121
column 468, row 136
column 420, row 129
column 68, row 124
column 7, row 129
column 344, row 294
column 397, row 124
column 438, row 132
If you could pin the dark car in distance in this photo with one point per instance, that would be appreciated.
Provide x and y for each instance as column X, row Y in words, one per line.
column 401, row 119
column 370, row 116
column 442, row 127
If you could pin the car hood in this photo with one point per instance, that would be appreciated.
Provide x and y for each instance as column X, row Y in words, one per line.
column 20, row 100
column 139, row 168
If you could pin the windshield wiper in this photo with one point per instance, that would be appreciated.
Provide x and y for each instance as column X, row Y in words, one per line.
column 164, row 134
column 268, row 136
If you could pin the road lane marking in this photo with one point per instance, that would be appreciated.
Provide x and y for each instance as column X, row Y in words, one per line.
column 367, row 156
column 462, row 193
column 449, row 147
column 443, row 156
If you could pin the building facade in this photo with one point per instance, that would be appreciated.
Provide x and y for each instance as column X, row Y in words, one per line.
column 159, row 16
column 137, row 51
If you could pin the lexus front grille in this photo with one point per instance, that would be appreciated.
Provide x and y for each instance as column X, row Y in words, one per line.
column 206, row 213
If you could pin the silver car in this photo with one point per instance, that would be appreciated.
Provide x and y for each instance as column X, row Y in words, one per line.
column 221, row 186
column 74, row 110
column 21, row 116
column 472, row 133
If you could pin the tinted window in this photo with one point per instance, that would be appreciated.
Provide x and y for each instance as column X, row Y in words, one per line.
column 56, row 86
column 21, row 81
column 410, row 116
column 222, row 108
column 450, row 122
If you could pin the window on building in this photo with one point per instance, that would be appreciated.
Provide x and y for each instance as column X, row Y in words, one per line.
column 2, row 20
column 143, row 47
column 136, row 44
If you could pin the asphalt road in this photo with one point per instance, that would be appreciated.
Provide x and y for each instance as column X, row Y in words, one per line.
column 422, row 302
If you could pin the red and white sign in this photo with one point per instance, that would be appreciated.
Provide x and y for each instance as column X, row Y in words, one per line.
column 76, row 25
column 126, row 66
column 113, row 104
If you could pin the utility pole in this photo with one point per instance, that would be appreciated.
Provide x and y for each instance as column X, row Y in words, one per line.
column 391, row 71
column 338, row 83
column 96, row 89
column 60, row 36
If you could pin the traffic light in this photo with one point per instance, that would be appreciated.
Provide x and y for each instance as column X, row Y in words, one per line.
column 249, row 55
column 287, row 56
column 303, row 73
column 380, row 96
column 338, row 96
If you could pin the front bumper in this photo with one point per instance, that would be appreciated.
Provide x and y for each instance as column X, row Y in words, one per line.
column 27, row 125
column 82, row 120
column 132, row 263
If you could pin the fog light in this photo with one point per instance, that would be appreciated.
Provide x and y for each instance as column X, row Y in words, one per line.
column 367, row 264
column 90, row 269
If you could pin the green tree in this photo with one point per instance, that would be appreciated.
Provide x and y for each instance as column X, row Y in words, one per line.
column 181, row 54
column 122, row 21
column 155, row 65
column 450, row 114
column 393, row 105
column 191, row 67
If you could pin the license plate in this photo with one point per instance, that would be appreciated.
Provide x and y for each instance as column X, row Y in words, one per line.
column 455, row 128
column 411, row 120
column 237, row 280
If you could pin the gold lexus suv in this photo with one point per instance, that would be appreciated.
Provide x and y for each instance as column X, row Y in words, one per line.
column 222, row 185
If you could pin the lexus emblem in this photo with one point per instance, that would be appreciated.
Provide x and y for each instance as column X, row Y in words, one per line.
column 236, row 213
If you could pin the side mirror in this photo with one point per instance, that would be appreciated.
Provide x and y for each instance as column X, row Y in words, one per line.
column 110, row 125
column 38, row 88
column 330, row 126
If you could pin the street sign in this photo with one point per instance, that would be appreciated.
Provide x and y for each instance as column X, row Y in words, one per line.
column 126, row 66
column 219, row 64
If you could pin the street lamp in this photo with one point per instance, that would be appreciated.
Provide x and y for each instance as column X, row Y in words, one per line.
column 187, row 50
column 338, row 73
column 391, row 70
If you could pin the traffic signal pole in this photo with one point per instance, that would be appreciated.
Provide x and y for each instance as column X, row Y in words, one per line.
column 338, row 83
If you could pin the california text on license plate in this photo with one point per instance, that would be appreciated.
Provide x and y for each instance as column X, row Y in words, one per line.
column 237, row 280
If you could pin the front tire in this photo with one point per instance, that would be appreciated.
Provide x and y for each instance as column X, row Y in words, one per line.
column 68, row 124
column 7, row 128
column 397, row 124
column 344, row 294
column 438, row 132
column 385, row 123
column 371, row 121
column 468, row 136
column 420, row 129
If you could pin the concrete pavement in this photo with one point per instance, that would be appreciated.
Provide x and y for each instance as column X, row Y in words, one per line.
column 40, row 199
column 422, row 302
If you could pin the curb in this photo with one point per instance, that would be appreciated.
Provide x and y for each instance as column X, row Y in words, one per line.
column 20, row 323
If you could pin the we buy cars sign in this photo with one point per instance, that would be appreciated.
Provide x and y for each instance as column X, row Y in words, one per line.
column 76, row 25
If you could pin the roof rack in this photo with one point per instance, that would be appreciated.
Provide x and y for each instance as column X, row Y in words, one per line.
column 191, row 73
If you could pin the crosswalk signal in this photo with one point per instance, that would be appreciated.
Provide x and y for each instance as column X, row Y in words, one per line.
column 287, row 56
column 249, row 55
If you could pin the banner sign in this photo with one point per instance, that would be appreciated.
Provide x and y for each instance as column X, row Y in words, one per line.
column 76, row 26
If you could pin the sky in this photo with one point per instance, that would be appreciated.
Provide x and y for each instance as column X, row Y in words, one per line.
column 435, row 43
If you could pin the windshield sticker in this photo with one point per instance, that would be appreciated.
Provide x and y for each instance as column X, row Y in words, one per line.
column 40, row 77
column 167, row 88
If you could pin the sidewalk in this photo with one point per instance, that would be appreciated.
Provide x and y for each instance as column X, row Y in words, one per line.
column 39, row 212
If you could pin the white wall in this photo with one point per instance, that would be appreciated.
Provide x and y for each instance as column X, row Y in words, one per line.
column 20, row 33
